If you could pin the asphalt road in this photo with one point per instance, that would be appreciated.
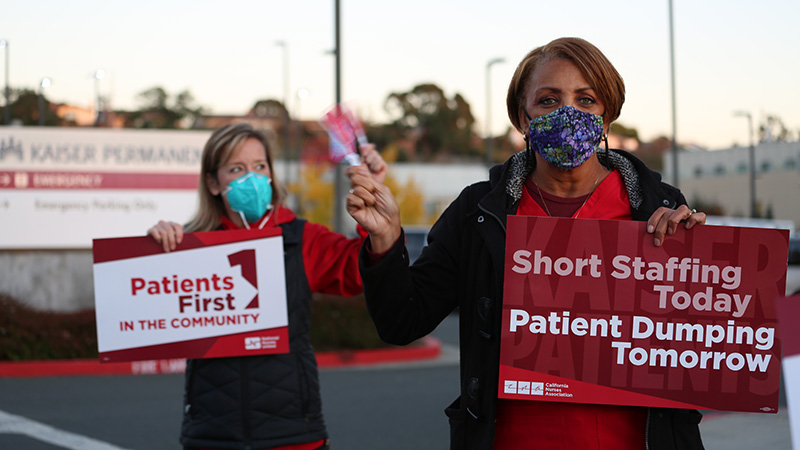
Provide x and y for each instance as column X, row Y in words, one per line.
column 388, row 408
column 399, row 408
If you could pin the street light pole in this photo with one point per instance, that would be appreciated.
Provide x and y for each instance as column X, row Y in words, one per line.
column 302, row 94
column 674, row 120
column 45, row 83
column 752, row 156
column 7, row 112
column 99, row 74
column 287, row 132
column 338, row 183
column 489, row 140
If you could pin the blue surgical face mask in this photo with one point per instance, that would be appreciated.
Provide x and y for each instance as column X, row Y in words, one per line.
column 250, row 196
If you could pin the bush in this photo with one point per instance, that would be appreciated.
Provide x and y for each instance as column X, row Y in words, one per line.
column 337, row 323
column 28, row 334
column 340, row 323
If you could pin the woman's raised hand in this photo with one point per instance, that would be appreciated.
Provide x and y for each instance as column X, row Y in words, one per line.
column 374, row 162
column 374, row 207
column 168, row 234
column 665, row 221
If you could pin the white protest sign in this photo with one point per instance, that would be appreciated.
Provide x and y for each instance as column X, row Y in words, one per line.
column 219, row 294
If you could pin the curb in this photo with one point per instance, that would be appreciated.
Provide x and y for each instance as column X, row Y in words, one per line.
column 429, row 348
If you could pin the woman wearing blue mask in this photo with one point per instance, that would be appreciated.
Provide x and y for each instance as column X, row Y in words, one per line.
column 269, row 401
column 562, row 98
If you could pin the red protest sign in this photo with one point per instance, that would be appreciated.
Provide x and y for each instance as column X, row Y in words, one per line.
column 594, row 313
column 789, row 312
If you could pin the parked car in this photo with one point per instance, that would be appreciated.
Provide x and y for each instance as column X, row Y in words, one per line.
column 793, row 269
column 416, row 239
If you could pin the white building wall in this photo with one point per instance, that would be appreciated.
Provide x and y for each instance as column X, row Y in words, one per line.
column 440, row 183
column 723, row 177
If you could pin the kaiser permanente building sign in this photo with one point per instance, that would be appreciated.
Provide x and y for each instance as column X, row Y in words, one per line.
column 62, row 187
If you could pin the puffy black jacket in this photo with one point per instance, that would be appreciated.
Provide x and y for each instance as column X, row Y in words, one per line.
column 462, row 266
column 258, row 402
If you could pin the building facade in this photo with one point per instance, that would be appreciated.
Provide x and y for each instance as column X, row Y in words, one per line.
column 722, row 177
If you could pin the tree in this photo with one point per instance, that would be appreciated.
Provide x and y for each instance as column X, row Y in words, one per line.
column 710, row 207
column 773, row 129
column 284, row 132
column 185, row 106
column 622, row 130
column 157, row 111
column 411, row 201
column 652, row 153
column 270, row 108
column 315, row 194
column 440, row 127
column 24, row 107
column 410, row 197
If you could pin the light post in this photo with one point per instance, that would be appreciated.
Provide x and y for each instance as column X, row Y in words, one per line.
column 338, row 217
column 752, row 160
column 44, row 84
column 287, row 132
column 301, row 94
column 489, row 140
column 674, row 113
column 99, row 74
column 7, row 115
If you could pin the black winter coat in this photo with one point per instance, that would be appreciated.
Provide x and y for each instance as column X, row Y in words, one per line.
column 462, row 266
column 258, row 402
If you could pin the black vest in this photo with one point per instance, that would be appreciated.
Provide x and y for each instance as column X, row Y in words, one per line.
column 258, row 402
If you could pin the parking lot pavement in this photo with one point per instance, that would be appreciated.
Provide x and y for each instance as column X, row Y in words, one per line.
column 746, row 431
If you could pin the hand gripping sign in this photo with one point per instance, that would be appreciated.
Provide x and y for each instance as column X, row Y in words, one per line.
column 221, row 293
column 594, row 313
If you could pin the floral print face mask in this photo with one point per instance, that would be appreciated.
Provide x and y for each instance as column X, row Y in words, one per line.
column 566, row 137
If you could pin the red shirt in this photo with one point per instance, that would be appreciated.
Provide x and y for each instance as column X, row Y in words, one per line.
column 330, row 259
column 608, row 201
column 522, row 424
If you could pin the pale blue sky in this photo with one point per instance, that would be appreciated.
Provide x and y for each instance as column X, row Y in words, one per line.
column 730, row 55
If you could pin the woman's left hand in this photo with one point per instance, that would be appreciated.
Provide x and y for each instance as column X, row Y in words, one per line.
column 665, row 221
column 374, row 162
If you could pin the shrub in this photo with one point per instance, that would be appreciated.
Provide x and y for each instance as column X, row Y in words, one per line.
column 29, row 334
column 337, row 323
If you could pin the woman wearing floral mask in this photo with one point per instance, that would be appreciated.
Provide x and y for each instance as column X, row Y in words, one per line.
column 562, row 98
column 268, row 401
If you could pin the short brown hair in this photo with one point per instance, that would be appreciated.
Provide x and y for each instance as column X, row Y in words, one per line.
column 592, row 63
column 217, row 152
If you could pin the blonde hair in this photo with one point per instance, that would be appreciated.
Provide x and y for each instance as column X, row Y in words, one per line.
column 593, row 64
column 216, row 153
